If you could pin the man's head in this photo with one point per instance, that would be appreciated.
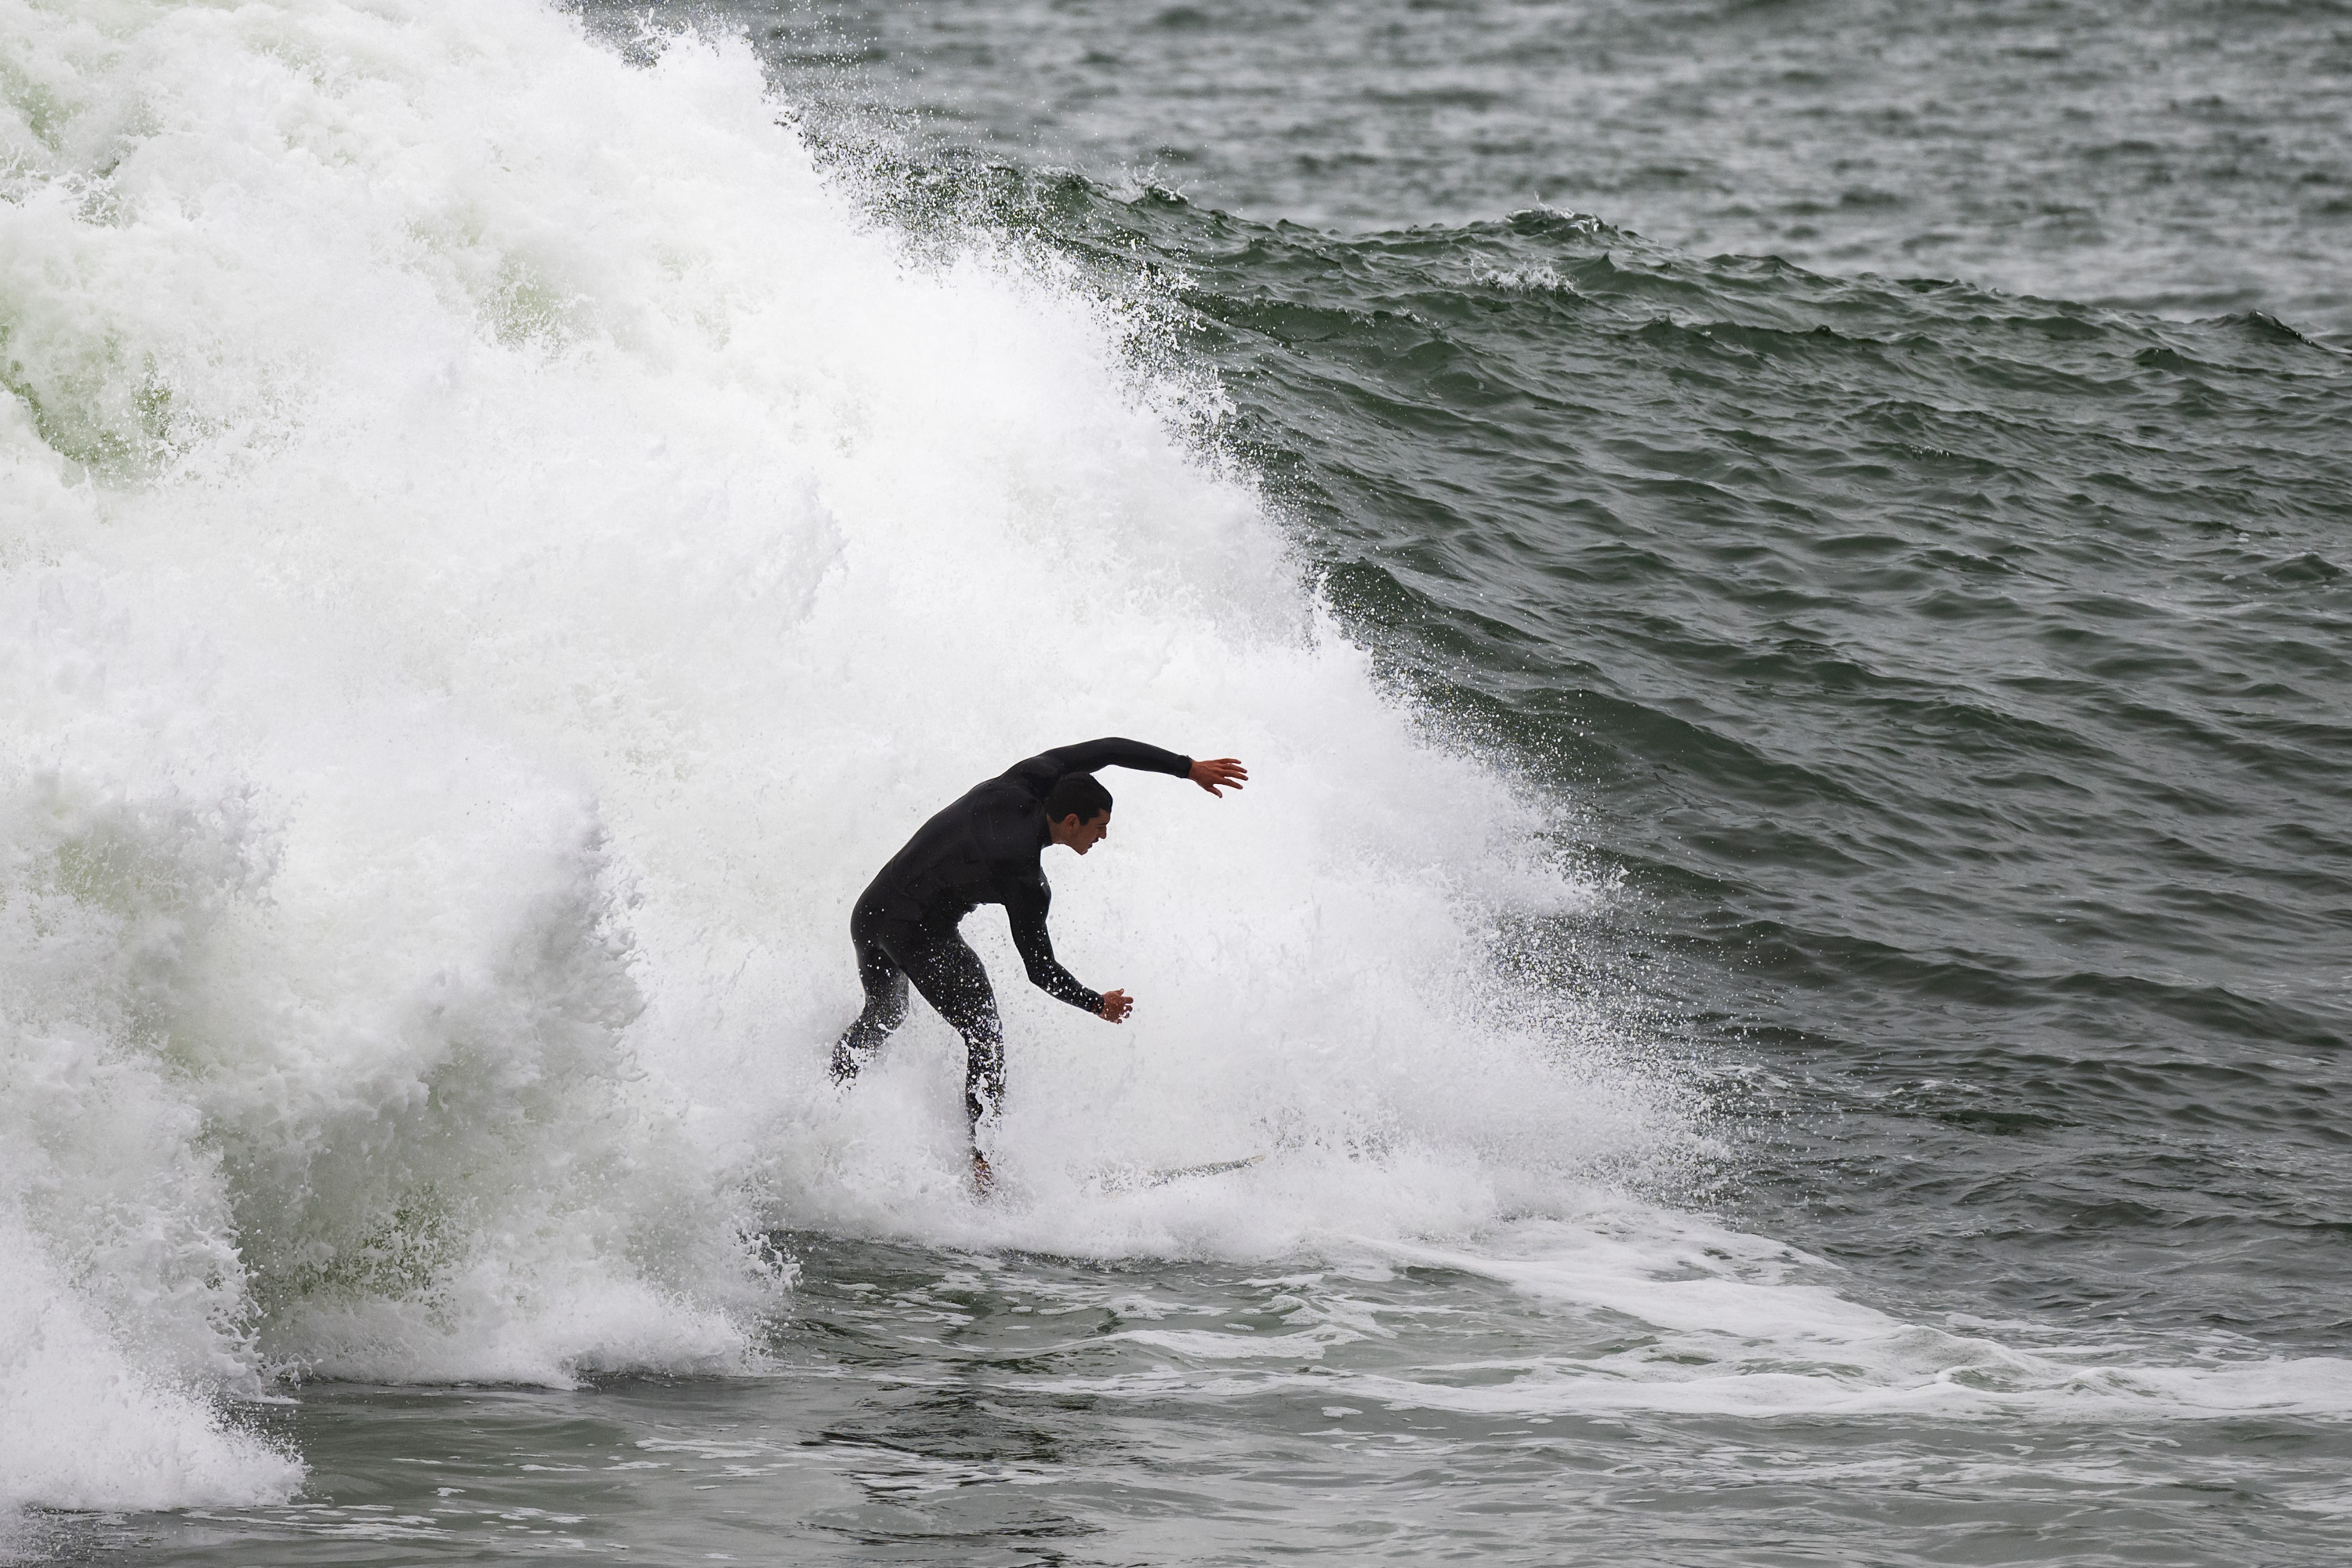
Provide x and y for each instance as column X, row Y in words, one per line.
column 1077, row 812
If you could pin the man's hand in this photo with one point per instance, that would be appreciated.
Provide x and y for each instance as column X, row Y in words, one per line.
column 1227, row 771
column 1115, row 1006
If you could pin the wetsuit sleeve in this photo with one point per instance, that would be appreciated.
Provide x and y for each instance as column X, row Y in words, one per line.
column 1111, row 752
column 1025, row 905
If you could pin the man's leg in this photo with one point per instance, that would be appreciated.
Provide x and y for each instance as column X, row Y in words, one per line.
column 886, row 1000
column 952, row 979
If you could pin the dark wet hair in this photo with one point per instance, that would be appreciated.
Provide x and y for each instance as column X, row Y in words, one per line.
column 1081, row 796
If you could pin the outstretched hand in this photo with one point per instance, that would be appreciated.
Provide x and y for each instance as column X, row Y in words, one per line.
column 1115, row 1006
column 1226, row 772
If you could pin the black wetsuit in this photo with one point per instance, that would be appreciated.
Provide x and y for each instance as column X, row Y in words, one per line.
column 984, row 849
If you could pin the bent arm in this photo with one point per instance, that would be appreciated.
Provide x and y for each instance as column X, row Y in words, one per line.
column 1026, row 908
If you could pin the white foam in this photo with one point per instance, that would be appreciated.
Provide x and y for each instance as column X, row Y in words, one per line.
column 87, row 1423
column 1628, row 1307
column 1696, row 1319
column 638, row 525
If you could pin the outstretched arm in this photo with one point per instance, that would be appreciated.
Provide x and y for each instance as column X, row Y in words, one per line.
column 1216, row 775
column 1112, row 751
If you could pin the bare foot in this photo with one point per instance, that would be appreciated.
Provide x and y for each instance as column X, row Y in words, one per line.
column 983, row 1180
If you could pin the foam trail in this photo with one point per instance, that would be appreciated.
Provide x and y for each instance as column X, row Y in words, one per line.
column 1735, row 1325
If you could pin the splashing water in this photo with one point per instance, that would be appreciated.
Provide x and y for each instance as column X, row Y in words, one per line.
column 500, row 553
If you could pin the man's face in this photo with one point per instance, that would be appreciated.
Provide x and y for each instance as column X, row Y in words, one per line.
column 1082, row 835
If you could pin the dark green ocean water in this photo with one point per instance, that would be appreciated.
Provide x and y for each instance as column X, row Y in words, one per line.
column 1883, row 475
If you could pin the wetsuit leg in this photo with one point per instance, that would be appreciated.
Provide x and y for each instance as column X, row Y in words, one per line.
column 886, row 996
column 951, row 978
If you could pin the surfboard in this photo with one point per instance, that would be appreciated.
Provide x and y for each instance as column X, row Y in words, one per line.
column 1215, row 1168
column 1129, row 1178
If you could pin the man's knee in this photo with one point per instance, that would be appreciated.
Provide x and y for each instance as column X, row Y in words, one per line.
column 978, row 1024
column 969, row 1006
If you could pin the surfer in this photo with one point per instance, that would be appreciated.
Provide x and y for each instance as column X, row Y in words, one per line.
column 985, row 849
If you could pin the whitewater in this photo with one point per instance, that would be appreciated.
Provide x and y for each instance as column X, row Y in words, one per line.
column 495, row 548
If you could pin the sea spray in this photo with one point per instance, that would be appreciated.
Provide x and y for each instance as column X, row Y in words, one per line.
column 508, row 551
column 128, row 1312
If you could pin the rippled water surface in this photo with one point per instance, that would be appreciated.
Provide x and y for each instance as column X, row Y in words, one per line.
column 2185, row 157
column 955, row 1407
